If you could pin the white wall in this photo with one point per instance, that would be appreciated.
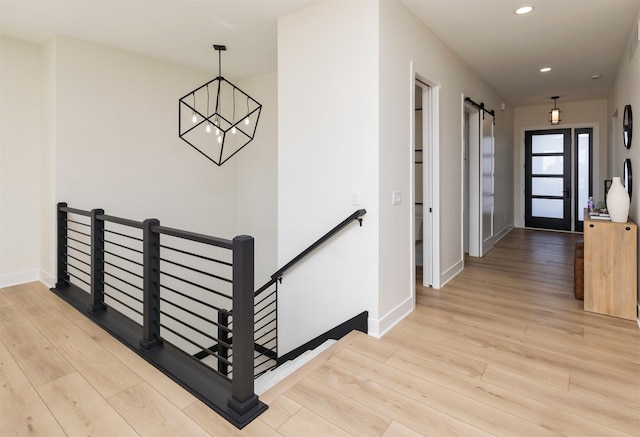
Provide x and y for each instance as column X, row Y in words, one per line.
column 328, row 148
column 405, row 40
column 117, row 144
column 353, row 128
column 592, row 113
column 626, row 91
column 20, row 131
column 257, row 178
column 97, row 127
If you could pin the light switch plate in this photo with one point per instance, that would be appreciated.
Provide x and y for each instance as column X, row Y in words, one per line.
column 396, row 197
column 355, row 198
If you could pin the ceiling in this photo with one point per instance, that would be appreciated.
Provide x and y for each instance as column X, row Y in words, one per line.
column 577, row 38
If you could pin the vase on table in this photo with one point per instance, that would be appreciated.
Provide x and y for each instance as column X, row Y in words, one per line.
column 618, row 202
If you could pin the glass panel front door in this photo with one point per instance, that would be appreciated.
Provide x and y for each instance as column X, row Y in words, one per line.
column 548, row 179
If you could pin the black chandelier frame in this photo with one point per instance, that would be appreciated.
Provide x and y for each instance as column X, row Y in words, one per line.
column 227, row 127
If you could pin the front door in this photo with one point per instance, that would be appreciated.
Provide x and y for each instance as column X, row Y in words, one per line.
column 548, row 179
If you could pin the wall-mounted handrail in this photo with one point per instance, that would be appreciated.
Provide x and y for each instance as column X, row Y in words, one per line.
column 355, row 216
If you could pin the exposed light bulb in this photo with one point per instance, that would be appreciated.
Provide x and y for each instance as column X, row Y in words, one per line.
column 246, row 120
column 233, row 130
column 193, row 117
column 208, row 127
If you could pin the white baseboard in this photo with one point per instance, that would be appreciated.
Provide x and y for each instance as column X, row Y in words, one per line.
column 379, row 327
column 47, row 279
column 17, row 278
column 451, row 272
column 500, row 235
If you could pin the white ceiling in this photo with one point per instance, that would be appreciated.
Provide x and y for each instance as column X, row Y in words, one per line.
column 577, row 38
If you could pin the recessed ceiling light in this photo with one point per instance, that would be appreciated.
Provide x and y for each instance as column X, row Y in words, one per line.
column 545, row 69
column 524, row 10
column 596, row 76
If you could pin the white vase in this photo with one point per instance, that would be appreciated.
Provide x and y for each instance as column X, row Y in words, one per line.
column 618, row 202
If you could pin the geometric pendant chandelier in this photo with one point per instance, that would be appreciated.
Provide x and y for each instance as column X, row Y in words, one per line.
column 218, row 119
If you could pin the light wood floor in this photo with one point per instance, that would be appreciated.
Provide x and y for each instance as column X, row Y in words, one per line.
column 503, row 349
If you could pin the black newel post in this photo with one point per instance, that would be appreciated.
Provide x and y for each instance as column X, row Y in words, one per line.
column 97, row 262
column 223, row 335
column 243, row 400
column 62, row 275
column 151, row 283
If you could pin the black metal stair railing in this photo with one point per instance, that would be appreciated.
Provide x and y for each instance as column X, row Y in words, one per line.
column 165, row 293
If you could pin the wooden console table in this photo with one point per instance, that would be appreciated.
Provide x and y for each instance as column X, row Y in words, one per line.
column 610, row 267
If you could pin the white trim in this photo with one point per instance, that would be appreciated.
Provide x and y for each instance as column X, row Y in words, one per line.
column 500, row 235
column 452, row 272
column 17, row 278
column 379, row 327
column 430, row 184
column 47, row 279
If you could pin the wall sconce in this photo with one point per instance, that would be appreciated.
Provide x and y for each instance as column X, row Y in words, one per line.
column 218, row 119
column 555, row 112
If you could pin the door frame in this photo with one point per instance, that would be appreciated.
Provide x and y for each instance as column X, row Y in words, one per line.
column 600, row 165
column 430, row 180
column 568, row 178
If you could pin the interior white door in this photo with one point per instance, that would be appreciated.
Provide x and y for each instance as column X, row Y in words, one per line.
column 487, row 188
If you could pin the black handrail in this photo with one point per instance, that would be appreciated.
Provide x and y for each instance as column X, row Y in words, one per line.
column 355, row 216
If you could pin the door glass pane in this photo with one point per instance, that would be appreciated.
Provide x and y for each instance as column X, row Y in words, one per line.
column 549, row 208
column 547, row 164
column 553, row 143
column 583, row 174
column 546, row 187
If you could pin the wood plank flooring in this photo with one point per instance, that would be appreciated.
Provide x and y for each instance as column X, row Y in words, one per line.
column 503, row 349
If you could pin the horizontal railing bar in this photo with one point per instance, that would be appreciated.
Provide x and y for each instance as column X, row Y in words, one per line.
column 260, row 363
column 130, row 296
column 200, row 238
column 122, row 280
column 75, row 211
column 261, row 306
column 265, row 286
column 78, row 241
column 123, row 246
column 78, row 259
column 204, row 349
column 120, row 221
column 265, row 298
column 78, row 278
column 78, row 232
column 76, row 249
column 123, row 269
column 122, row 303
column 193, row 328
column 265, row 316
column 122, row 235
column 122, row 257
column 208, row 305
column 270, row 349
column 196, row 270
column 224, row 328
column 78, row 223
column 197, row 255
column 355, row 216
column 186, row 281
column 257, row 375
column 77, row 268
column 265, row 334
